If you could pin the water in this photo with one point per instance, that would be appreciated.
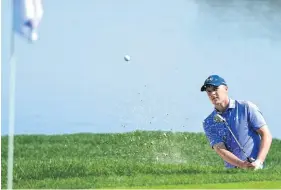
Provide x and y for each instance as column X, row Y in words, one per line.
column 83, row 84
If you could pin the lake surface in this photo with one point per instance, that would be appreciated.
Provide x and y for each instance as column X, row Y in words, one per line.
column 74, row 79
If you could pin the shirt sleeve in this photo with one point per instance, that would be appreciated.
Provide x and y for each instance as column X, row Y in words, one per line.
column 212, row 134
column 255, row 116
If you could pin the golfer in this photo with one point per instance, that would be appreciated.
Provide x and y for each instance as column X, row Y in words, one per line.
column 246, row 123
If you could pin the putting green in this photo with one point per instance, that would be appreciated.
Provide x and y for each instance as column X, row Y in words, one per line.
column 238, row 185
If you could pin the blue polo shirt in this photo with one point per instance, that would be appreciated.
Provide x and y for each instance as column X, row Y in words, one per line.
column 244, row 118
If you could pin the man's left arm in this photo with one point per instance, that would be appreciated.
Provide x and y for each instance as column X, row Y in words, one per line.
column 266, row 139
column 258, row 123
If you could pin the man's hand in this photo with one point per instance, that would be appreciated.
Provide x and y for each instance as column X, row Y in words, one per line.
column 257, row 164
column 246, row 165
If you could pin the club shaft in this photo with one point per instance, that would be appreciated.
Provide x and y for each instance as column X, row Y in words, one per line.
column 235, row 139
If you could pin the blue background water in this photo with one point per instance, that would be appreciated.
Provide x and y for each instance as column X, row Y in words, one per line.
column 74, row 79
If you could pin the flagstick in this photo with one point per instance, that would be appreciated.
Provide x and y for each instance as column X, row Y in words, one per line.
column 12, row 88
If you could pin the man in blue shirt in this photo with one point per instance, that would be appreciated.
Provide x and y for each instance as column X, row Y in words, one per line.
column 246, row 125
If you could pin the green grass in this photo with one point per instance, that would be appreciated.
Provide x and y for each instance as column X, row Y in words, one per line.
column 141, row 159
column 240, row 185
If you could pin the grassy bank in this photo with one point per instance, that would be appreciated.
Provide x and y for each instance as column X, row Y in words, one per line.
column 129, row 160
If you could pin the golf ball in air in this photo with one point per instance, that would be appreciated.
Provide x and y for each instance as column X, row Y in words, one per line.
column 33, row 36
column 127, row 58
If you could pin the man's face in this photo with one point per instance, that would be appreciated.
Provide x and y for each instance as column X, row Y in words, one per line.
column 217, row 94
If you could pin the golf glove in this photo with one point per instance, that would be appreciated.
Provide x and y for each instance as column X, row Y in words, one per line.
column 258, row 164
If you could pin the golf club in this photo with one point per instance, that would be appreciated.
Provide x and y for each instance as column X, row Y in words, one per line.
column 220, row 119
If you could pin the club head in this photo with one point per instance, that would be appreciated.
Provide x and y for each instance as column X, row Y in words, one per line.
column 218, row 118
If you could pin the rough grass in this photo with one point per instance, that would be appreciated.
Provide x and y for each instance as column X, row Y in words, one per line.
column 127, row 160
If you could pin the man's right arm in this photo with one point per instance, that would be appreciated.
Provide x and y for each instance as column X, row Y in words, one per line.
column 230, row 157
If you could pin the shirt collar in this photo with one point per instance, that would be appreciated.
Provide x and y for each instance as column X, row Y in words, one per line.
column 231, row 105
